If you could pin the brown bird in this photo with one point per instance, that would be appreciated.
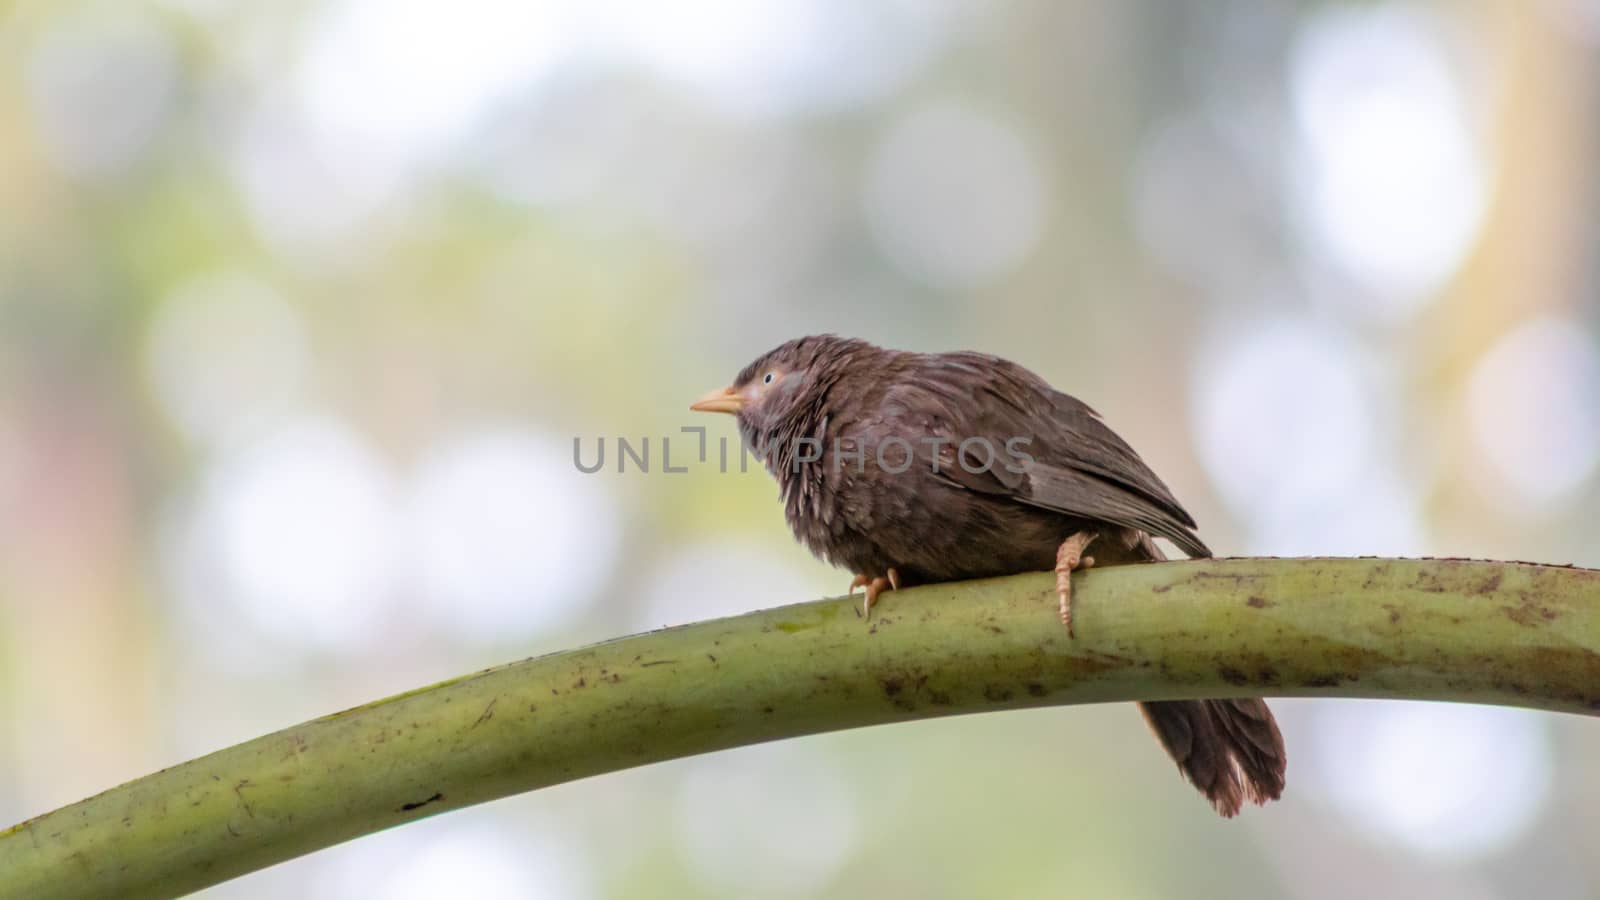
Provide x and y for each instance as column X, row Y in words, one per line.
column 910, row 468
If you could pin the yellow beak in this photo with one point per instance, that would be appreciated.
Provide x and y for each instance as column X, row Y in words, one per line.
column 724, row 400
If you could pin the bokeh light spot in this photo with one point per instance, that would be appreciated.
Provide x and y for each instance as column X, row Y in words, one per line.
column 463, row 856
column 1393, row 188
column 1448, row 780
column 225, row 355
column 954, row 196
column 679, row 590
column 772, row 820
column 507, row 537
column 768, row 57
column 101, row 86
column 1282, row 416
column 1379, row 514
column 400, row 79
column 301, row 525
column 1534, row 405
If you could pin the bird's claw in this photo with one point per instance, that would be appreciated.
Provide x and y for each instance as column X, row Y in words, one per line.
column 875, row 585
column 1069, row 558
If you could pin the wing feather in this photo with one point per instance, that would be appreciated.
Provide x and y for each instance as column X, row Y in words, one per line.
column 1080, row 466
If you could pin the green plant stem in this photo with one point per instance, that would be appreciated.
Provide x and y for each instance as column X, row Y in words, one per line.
column 1483, row 632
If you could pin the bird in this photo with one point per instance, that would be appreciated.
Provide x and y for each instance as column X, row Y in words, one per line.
column 913, row 468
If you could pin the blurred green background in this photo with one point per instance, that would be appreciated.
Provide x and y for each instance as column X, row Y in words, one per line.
column 302, row 306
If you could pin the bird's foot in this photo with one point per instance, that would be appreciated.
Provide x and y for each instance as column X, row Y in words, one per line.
column 1069, row 557
column 875, row 585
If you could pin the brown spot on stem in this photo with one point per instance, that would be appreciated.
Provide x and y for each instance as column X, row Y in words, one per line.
column 408, row 807
column 996, row 693
column 486, row 715
column 1529, row 613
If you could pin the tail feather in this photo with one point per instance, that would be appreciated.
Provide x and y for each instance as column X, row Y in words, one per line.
column 1230, row 750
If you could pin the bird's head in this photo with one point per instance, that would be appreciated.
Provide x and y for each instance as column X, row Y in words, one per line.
column 781, row 381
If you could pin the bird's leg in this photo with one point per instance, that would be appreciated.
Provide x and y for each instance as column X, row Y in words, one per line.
column 1069, row 556
column 874, row 586
column 880, row 584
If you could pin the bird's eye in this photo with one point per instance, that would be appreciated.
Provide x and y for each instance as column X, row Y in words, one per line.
column 768, row 378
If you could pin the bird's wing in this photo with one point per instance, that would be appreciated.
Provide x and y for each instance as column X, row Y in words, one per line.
column 1079, row 466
